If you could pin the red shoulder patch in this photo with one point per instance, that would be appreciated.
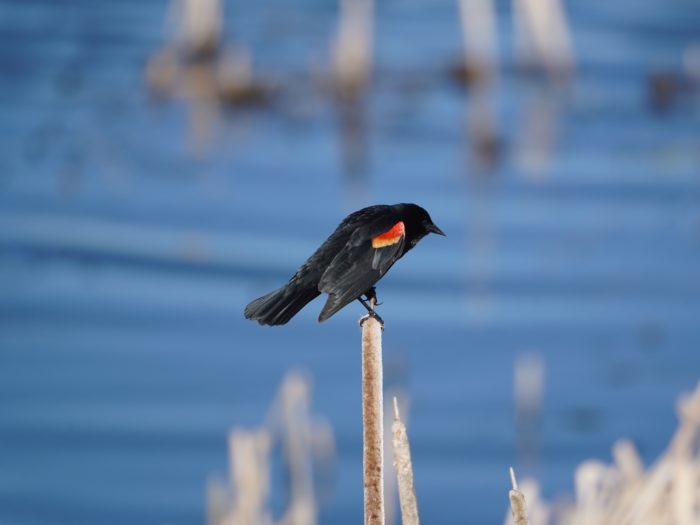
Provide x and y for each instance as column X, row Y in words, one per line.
column 389, row 237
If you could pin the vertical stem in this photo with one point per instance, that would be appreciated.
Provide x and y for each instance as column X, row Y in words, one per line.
column 372, row 421
column 404, row 471
column 353, row 47
column 479, row 36
column 294, row 398
column 517, row 502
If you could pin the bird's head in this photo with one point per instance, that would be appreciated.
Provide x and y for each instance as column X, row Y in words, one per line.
column 418, row 223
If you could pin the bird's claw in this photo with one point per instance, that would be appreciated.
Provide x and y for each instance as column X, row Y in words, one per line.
column 373, row 314
column 369, row 304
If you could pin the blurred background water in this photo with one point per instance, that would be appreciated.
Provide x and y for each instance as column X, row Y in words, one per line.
column 134, row 228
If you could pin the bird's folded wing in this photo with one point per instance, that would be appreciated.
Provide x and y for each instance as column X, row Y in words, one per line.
column 361, row 262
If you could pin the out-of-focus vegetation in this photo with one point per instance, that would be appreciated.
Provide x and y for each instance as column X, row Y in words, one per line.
column 556, row 141
column 626, row 492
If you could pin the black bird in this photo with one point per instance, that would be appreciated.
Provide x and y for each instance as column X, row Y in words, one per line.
column 349, row 263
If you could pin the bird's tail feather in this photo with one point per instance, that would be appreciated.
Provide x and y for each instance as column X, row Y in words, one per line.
column 280, row 306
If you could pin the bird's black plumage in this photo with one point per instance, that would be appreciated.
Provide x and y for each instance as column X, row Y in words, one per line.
column 349, row 263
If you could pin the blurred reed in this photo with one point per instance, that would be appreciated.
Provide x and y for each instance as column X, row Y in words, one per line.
column 543, row 38
column 250, row 479
column 404, row 470
column 391, row 496
column 196, row 26
column 478, row 71
column 351, row 73
column 249, row 452
column 479, row 65
column 195, row 65
column 245, row 499
column 528, row 387
column 518, row 508
column 538, row 136
column 625, row 493
column 291, row 412
column 352, row 49
column 542, row 46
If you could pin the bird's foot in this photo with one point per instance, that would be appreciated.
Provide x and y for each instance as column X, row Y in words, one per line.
column 369, row 304
column 372, row 314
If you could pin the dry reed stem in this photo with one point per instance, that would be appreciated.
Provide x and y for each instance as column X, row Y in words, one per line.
column 544, row 25
column 479, row 35
column 392, row 511
column 352, row 53
column 391, row 494
column 195, row 26
column 245, row 499
column 625, row 493
column 404, row 470
column 249, row 451
column 372, row 421
column 294, row 400
column 517, row 502
column 218, row 502
column 528, row 387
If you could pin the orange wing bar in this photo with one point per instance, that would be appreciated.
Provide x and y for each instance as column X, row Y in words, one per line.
column 392, row 236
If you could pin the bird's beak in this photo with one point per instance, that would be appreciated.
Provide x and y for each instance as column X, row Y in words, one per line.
column 434, row 229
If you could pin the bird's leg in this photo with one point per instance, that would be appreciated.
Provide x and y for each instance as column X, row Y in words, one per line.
column 371, row 296
column 371, row 299
column 365, row 304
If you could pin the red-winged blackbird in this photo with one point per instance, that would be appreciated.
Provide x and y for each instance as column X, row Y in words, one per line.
column 348, row 264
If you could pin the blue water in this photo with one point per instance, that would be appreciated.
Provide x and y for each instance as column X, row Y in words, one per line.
column 127, row 254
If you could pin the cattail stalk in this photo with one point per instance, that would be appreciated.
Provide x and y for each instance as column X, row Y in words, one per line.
column 517, row 502
column 479, row 34
column 544, row 33
column 352, row 58
column 404, row 470
column 528, row 387
column 372, row 421
column 294, row 400
column 249, row 459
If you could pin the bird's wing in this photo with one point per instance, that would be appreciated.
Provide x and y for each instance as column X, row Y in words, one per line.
column 369, row 253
